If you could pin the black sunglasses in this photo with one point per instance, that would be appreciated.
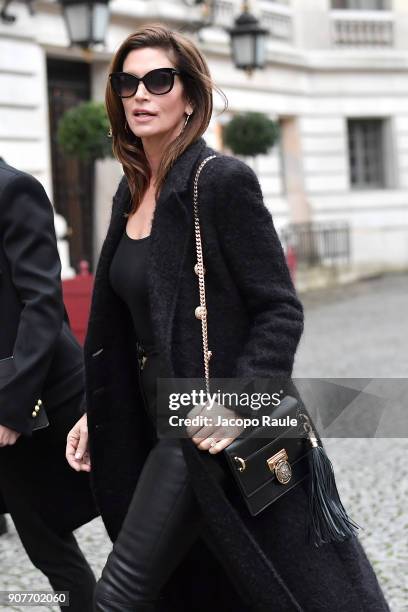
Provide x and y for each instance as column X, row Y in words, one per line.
column 159, row 81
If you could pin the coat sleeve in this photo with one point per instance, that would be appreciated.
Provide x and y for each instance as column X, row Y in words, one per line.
column 257, row 262
column 30, row 246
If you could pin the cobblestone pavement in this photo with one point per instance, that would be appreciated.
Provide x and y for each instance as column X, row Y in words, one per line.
column 351, row 331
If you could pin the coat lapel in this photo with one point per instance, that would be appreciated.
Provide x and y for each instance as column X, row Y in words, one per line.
column 172, row 227
column 100, row 331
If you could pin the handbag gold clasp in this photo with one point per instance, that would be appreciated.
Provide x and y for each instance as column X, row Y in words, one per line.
column 279, row 464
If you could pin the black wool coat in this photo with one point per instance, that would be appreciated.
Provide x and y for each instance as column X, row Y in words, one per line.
column 255, row 323
column 40, row 359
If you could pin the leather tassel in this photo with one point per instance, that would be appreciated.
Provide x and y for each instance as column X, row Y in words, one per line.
column 328, row 520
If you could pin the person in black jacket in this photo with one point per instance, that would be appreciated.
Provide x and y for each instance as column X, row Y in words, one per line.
column 3, row 521
column 178, row 523
column 41, row 392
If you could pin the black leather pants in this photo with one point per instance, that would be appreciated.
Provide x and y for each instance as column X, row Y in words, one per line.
column 162, row 523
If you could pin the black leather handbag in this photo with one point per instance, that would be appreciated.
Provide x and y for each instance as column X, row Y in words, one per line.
column 265, row 467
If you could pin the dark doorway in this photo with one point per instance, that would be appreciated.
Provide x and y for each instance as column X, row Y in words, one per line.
column 69, row 85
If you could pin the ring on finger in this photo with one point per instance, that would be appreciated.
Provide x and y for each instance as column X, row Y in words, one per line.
column 213, row 442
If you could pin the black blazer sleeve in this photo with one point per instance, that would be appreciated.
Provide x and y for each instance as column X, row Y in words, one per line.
column 255, row 256
column 29, row 243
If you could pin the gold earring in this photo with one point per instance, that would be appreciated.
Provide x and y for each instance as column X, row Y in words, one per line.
column 186, row 121
column 110, row 133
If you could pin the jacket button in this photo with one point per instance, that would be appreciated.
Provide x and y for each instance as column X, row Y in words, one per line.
column 39, row 403
column 200, row 312
column 37, row 409
column 34, row 414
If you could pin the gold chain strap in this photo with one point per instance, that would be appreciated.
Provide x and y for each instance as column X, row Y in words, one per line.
column 201, row 311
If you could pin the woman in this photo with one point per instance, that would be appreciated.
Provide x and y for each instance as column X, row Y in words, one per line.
column 41, row 392
column 179, row 540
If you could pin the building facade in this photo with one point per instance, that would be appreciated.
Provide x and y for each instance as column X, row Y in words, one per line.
column 336, row 79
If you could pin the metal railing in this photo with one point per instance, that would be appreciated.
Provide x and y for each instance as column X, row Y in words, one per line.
column 324, row 244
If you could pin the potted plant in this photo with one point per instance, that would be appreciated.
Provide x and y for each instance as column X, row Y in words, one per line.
column 82, row 135
column 251, row 134
column 83, row 132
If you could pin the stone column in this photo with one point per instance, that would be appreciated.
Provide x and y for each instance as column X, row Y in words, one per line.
column 300, row 211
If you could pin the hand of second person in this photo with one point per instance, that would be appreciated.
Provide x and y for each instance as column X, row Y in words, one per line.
column 213, row 438
column 8, row 436
column 77, row 452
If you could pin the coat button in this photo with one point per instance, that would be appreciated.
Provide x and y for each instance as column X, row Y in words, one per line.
column 200, row 311
column 39, row 403
column 37, row 409
column 34, row 414
column 196, row 268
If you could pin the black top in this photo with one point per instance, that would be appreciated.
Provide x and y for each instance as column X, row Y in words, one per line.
column 128, row 279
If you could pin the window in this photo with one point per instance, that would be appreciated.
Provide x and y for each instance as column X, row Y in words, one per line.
column 367, row 145
column 362, row 5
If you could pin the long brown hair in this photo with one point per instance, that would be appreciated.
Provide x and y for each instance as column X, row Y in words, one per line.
column 197, row 85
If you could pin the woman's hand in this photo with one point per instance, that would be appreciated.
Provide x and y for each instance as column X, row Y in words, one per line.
column 77, row 452
column 8, row 436
column 213, row 438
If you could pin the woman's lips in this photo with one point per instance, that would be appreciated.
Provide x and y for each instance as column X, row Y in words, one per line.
column 143, row 118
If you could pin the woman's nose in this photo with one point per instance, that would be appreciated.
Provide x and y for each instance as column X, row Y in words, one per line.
column 141, row 91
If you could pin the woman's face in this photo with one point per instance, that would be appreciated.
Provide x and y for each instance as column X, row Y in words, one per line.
column 168, row 109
